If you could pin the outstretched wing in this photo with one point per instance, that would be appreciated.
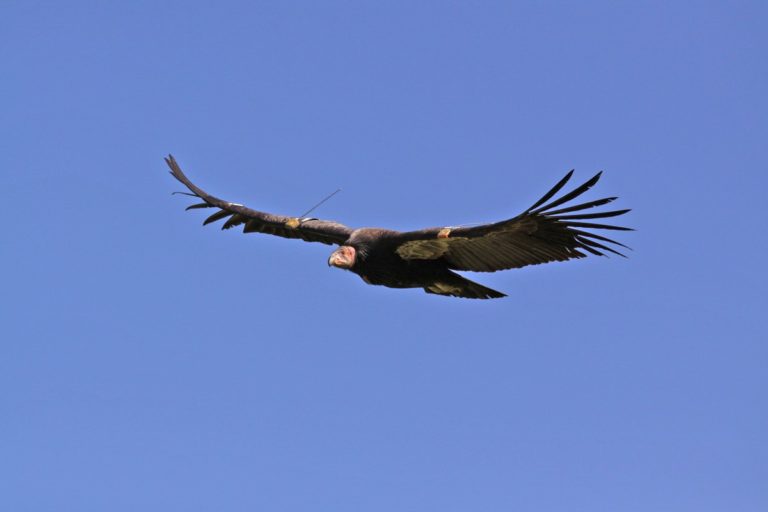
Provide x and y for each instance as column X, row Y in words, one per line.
column 539, row 235
column 310, row 230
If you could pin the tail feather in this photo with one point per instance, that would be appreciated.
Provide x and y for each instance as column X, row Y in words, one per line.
column 454, row 285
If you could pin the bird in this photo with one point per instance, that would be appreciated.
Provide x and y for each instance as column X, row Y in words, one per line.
column 429, row 258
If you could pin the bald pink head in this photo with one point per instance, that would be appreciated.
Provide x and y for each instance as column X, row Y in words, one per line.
column 343, row 257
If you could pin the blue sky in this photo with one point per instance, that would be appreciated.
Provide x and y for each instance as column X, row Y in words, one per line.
column 148, row 363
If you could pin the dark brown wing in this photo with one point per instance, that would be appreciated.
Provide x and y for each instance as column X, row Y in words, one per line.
column 539, row 235
column 310, row 230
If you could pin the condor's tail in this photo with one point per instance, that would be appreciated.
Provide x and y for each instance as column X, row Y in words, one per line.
column 454, row 285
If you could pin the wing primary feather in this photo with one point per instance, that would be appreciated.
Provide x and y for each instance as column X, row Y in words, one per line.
column 554, row 190
column 597, row 226
column 179, row 175
column 599, row 237
column 233, row 221
column 217, row 216
column 198, row 205
column 583, row 206
column 575, row 193
column 592, row 243
column 598, row 215
column 591, row 250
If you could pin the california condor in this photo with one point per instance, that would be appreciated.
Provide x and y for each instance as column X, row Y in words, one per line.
column 426, row 258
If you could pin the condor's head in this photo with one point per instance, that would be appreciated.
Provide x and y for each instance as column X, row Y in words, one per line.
column 343, row 257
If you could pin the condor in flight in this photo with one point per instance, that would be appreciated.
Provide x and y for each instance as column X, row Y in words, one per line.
column 426, row 258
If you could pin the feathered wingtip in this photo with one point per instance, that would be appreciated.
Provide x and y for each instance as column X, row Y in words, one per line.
column 560, row 184
column 177, row 173
column 235, row 219
column 586, row 239
column 173, row 167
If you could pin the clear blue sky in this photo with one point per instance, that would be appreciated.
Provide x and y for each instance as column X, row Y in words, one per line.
column 148, row 363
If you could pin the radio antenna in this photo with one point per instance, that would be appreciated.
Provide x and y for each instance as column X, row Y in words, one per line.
column 303, row 215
